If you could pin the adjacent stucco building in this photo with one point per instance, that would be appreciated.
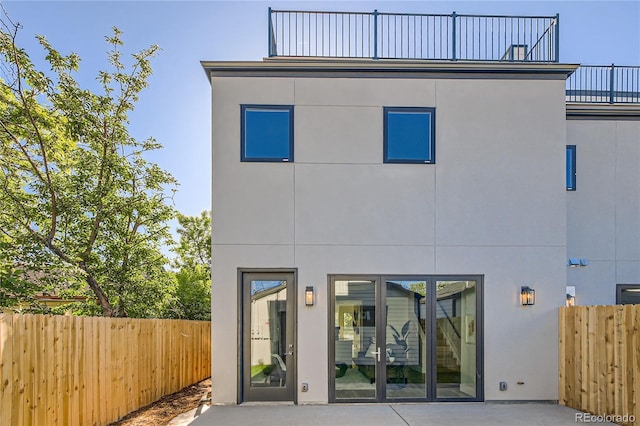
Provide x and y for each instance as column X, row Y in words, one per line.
column 603, row 213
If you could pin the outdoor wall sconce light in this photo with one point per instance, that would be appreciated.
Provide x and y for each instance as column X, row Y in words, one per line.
column 527, row 296
column 309, row 296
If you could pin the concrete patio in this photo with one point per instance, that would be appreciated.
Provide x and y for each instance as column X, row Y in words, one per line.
column 440, row 414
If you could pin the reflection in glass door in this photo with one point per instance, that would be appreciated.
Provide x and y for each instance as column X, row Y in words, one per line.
column 409, row 338
column 456, row 323
column 356, row 352
column 406, row 354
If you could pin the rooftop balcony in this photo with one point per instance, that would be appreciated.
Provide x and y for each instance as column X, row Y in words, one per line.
column 453, row 37
column 377, row 35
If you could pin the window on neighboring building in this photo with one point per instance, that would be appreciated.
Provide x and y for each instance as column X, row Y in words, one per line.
column 627, row 294
column 267, row 133
column 409, row 135
column 571, row 167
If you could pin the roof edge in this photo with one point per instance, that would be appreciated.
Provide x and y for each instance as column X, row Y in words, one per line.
column 364, row 67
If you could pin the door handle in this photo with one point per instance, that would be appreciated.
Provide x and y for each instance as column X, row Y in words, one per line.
column 377, row 353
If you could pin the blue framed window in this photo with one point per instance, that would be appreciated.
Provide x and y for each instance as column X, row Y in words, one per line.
column 267, row 133
column 409, row 135
column 571, row 167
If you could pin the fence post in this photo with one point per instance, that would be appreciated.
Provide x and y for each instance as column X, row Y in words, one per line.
column 375, row 34
column 557, row 58
column 611, row 85
column 270, row 34
column 453, row 32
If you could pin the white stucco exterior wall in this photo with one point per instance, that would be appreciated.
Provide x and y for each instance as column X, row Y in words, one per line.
column 494, row 204
column 603, row 220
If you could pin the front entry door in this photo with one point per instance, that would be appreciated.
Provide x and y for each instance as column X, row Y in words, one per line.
column 405, row 338
column 268, row 336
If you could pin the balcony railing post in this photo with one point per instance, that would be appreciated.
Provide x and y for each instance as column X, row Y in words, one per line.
column 453, row 33
column 612, row 74
column 270, row 35
column 375, row 34
column 557, row 40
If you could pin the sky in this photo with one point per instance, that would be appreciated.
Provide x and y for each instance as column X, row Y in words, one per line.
column 176, row 108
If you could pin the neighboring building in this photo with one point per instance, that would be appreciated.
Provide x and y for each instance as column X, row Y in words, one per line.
column 378, row 214
column 603, row 213
column 43, row 298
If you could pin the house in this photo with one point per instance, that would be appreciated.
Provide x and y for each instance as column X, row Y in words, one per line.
column 40, row 295
column 400, row 201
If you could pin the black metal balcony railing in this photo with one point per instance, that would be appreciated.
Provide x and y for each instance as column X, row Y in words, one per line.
column 378, row 35
column 604, row 84
column 453, row 37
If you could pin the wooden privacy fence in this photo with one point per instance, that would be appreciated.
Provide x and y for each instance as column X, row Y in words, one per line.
column 600, row 361
column 64, row 370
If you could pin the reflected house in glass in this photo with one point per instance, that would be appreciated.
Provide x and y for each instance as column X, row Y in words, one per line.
column 268, row 333
column 416, row 187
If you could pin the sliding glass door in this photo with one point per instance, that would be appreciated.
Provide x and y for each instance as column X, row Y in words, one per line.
column 405, row 338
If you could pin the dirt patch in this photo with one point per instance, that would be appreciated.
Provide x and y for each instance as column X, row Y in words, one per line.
column 166, row 408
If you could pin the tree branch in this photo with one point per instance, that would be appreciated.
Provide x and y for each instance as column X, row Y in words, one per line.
column 39, row 139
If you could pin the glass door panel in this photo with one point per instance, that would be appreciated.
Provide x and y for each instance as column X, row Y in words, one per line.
column 456, row 321
column 268, row 333
column 356, row 352
column 268, row 366
column 405, row 349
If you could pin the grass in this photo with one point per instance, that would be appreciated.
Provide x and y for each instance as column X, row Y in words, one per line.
column 261, row 369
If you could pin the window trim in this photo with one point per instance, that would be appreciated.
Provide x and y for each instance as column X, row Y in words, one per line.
column 432, row 136
column 571, row 150
column 243, row 155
